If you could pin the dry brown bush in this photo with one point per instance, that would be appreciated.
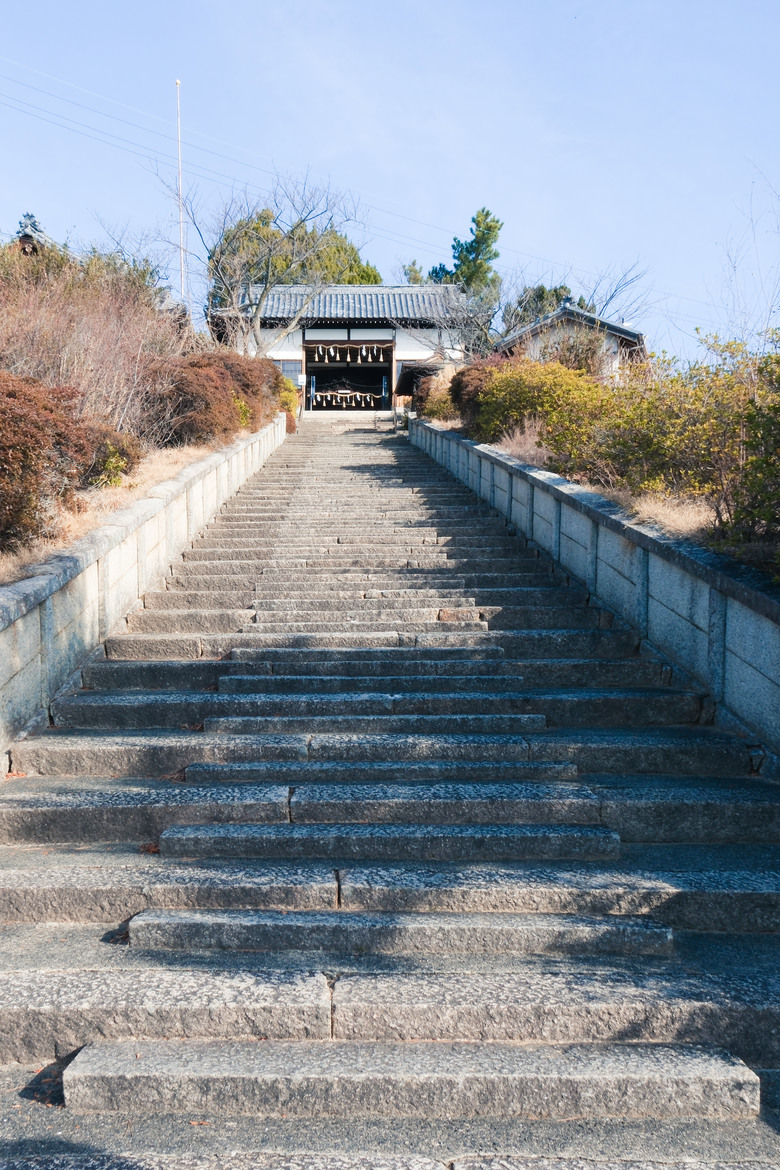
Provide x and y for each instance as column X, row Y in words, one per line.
column 526, row 442
column 212, row 395
column 92, row 507
column 92, row 323
column 46, row 454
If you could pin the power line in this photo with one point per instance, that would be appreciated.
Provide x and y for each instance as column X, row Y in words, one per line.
column 200, row 171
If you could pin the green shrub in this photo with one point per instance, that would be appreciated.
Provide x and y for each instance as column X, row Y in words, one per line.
column 439, row 405
column 566, row 400
column 757, row 503
column 288, row 399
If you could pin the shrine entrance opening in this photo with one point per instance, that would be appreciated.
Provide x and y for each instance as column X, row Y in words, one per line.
column 351, row 375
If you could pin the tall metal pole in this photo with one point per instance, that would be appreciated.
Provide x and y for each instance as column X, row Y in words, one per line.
column 181, row 202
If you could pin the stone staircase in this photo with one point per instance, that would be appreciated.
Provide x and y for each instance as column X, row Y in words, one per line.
column 372, row 842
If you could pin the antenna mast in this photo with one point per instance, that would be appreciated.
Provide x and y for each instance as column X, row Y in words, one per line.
column 181, row 202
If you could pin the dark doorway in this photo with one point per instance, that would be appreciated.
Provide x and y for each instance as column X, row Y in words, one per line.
column 352, row 378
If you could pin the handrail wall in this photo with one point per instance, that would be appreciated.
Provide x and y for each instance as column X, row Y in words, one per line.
column 52, row 621
column 718, row 621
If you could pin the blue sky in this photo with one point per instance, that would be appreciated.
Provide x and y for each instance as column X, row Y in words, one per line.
column 602, row 133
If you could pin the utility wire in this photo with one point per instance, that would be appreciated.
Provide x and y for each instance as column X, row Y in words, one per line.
column 199, row 170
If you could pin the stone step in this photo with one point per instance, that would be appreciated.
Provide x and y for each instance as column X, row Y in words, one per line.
column 440, row 560
column 164, row 621
column 48, row 810
column 210, row 621
column 443, row 654
column 686, row 751
column 143, row 753
column 354, row 1079
column 528, row 644
column 151, row 647
column 422, row 771
column 396, row 934
column 103, row 887
column 372, row 541
column 137, row 812
column 374, row 725
column 701, row 893
column 699, row 889
column 588, row 708
column 392, row 842
column 80, row 1007
column 293, row 599
column 299, row 672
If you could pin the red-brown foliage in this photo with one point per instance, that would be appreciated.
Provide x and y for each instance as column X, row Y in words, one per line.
column 214, row 394
column 45, row 454
column 467, row 385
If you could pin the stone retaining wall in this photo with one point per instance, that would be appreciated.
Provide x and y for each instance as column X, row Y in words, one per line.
column 715, row 619
column 51, row 622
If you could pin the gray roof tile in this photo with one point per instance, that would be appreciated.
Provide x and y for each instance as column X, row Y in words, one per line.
column 364, row 302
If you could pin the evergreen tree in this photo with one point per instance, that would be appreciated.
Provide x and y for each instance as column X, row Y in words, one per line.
column 473, row 259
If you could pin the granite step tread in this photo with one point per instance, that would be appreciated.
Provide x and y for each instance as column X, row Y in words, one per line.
column 411, row 934
column 46, row 1012
column 396, row 842
column 589, row 706
column 352, row 1079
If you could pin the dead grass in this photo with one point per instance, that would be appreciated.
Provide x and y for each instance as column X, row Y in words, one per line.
column 677, row 516
column 95, row 506
column 525, row 443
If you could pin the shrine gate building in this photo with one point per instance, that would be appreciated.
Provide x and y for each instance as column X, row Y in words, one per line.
column 361, row 346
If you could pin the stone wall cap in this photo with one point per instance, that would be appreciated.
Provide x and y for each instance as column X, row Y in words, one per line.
column 60, row 568
column 750, row 587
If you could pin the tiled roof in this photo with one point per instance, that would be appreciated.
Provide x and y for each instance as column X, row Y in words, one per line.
column 570, row 313
column 364, row 302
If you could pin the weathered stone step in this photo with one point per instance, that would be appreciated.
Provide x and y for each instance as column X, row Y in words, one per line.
column 701, row 893
column 484, row 677
column 381, row 771
column 687, row 751
column 560, row 1001
column 374, row 725
column 352, row 1079
column 104, row 888
column 59, row 1011
column 133, row 812
column 397, row 934
column 543, row 617
column 106, row 811
column 299, row 672
column 589, row 708
column 527, row 644
column 433, row 621
column 667, row 808
column 395, row 842
column 253, row 565
column 444, row 654
column 144, row 753
column 214, row 621
column 369, row 543
column 185, row 621
column 151, row 647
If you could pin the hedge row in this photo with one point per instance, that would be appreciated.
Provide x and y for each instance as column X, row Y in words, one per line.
column 46, row 454
column 707, row 430
column 48, row 450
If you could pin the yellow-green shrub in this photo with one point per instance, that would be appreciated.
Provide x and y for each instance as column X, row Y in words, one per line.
column 439, row 405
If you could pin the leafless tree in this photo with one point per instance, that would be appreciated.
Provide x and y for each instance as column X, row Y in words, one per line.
column 619, row 292
column 250, row 245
